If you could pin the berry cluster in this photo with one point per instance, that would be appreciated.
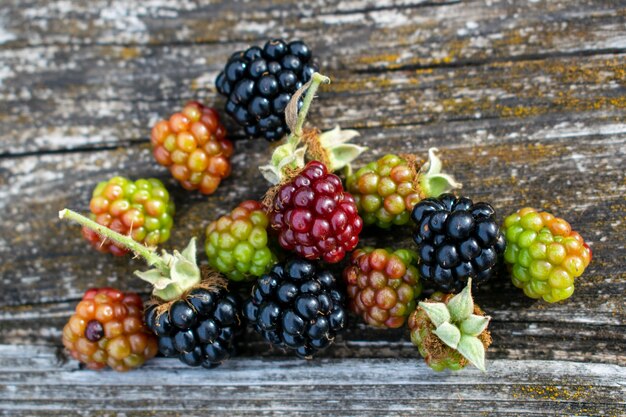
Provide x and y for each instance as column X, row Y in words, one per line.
column 141, row 209
column 259, row 83
column 198, row 329
column 544, row 254
column 457, row 240
column 297, row 306
column 236, row 244
column 314, row 217
column 107, row 329
column 193, row 145
column 296, row 303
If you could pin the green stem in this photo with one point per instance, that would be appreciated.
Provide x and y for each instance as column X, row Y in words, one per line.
column 126, row 241
column 316, row 80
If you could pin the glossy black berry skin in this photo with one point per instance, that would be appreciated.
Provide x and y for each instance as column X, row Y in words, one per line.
column 258, row 84
column 456, row 240
column 198, row 329
column 297, row 306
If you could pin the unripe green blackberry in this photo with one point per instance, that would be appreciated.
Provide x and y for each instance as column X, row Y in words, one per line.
column 236, row 244
column 386, row 190
column 383, row 286
column 544, row 254
column 141, row 209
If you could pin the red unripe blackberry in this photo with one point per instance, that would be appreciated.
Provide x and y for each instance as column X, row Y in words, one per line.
column 193, row 145
column 314, row 217
column 141, row 209
column 107, row 329
column 544, row 254
column 382, row 286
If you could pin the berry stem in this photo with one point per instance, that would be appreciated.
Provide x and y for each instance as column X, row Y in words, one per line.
column 316, row 80
column 151, row 258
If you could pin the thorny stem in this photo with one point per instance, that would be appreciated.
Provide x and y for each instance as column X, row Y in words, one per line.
column 126, row 241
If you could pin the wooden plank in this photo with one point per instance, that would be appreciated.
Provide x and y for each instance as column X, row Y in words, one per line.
column 332, row 386
column 79, row 110
column 105, row 93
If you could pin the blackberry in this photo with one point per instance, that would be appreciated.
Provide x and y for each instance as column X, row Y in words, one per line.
column 457, row 240
column 198, row 328
column 296, row 306
column 259, row 82
column 544, row 254
column 193, row 315
column 450, row 331
column 386, row 190
column 142, row 209
column 236, row 244
column 193, row 145
column 107, row 329
column 382, row 285
column 314, row 217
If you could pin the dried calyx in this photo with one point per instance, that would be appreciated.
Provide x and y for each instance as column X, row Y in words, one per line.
column 458, row 327
column 173, row 274
column 331, row 147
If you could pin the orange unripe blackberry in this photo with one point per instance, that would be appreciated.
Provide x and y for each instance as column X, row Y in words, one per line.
column 193, row 145
column 382, row 286
column 544, row 254
column 141, row 209
column 107, row 329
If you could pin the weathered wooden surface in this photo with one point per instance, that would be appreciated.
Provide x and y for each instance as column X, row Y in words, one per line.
column 337, row 387
column 526, row 100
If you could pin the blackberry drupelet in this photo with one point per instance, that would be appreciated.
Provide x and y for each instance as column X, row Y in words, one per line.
column 314, row 217
column 544, row 254
column 297, row 306
column 107, row 329
column 259, row 83
column 198, row 328
column 382, row 286
column 456, row 240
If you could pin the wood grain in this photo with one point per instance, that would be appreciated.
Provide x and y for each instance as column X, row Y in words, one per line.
column 526, row 101
column 32, row 382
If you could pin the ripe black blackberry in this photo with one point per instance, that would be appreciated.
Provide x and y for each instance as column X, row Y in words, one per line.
column 259, row 82
column 197, row 329
column 457, row 239
column 296, row 306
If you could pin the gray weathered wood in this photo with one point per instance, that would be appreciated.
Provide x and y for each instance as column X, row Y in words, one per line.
column 525, row 100
column 33, row 382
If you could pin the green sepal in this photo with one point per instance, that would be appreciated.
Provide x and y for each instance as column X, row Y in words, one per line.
column 473, row 350
column 474, row 325
column 340, row 153
column 433, row 182
column 449, row 334
column 437, row 312
column 181, row 275
column 461, row 306
column 286, row 156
